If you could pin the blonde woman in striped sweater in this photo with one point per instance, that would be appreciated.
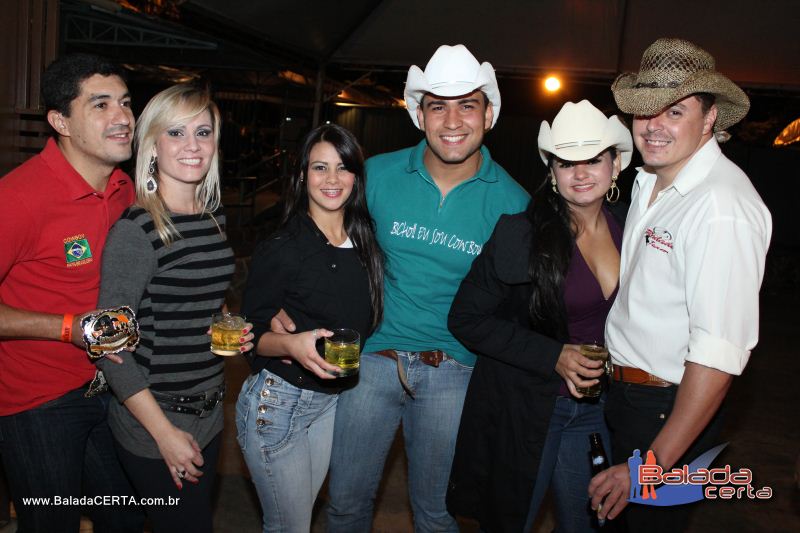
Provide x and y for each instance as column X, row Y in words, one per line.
column 167, row 257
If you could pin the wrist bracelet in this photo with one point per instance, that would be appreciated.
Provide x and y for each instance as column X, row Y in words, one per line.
column 66, row 328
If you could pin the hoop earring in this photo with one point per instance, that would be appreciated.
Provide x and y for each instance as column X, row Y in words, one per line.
column 612, row 195
column 553, row 183
column 151, row 185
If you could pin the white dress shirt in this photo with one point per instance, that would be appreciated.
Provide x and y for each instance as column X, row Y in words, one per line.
column 691, row 268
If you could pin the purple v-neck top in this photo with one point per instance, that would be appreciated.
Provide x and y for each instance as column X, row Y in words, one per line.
column 586, row 306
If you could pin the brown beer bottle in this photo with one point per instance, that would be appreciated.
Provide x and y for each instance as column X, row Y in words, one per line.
column 599, row 461
column 597, row 453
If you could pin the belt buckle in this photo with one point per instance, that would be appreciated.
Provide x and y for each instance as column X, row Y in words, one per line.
column 430, row 358
column 210, row 404
column 98, row 385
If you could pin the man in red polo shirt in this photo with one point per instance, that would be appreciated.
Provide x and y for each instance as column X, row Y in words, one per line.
column 55, row 212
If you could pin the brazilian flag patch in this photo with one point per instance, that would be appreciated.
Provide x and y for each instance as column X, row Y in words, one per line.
column 77, row 250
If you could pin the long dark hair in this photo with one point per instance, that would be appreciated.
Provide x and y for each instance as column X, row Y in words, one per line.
column 553, row 233
column 551, row 249
column 357, row 221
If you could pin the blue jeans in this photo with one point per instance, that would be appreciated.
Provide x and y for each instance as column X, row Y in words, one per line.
column 64, row 448
column 565, row 467
column 366, row 423
column 285, row 434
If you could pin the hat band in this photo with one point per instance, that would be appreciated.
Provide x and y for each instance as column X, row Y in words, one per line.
column 450, row 82
column 577, row 143
column 656, row 85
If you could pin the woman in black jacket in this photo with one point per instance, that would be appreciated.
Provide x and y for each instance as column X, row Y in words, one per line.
column 542, row 286
column 324, row 267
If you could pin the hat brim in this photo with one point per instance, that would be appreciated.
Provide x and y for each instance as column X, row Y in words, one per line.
column 417, row 86
column 732, row 103
column 616, row 135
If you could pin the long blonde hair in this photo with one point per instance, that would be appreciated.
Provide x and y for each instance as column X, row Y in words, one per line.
column 178, row 104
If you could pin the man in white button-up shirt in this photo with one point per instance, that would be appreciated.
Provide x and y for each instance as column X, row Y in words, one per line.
column 692, row 261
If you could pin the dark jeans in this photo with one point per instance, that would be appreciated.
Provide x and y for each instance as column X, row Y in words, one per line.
column 64, row 449
column 151, row 479
column 635, row 414
column 565, row 468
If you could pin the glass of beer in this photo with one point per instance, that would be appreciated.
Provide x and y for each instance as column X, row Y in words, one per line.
column 595, row 352
column 226, row 330
column 343, row 349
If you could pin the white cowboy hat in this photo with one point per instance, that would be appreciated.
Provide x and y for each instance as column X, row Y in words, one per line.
column 671, row 70
column 451, row 71
column 581, row 131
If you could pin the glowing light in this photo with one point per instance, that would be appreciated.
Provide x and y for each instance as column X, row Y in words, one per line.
column 789, row 135
column 552, row 84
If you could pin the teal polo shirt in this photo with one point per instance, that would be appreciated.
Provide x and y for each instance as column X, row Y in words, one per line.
column 430, row 243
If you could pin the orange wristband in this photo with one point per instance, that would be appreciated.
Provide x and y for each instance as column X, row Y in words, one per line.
column 66, row 328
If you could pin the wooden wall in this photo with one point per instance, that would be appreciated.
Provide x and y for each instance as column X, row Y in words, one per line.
column 28, row 43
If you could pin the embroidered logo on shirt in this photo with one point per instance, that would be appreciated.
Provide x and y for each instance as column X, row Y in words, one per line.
column 77, row 250
column 658, row 238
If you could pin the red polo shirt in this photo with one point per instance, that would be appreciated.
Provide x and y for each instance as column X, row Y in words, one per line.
column 53, row 227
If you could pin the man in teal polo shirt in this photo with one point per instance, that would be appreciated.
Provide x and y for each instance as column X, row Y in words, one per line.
column 434, row 205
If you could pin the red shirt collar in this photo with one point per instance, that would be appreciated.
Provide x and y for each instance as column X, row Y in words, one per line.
column 77, row 187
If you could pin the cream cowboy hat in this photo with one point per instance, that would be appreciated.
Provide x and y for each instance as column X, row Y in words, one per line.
column 581, row 131
column 451, row 71
column 671, row 70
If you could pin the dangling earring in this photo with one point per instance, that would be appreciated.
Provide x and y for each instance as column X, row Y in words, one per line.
column 150, row 183
column 612, row 195
column 553, row 183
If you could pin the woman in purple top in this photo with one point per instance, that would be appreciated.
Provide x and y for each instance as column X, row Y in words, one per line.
column 542, row 286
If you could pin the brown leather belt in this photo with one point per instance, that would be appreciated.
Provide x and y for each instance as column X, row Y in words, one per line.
column 431, row 358
column 628, row 374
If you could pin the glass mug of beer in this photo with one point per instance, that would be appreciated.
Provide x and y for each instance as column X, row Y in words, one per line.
column 343, row 349
column 595, row 352
column 226, row 330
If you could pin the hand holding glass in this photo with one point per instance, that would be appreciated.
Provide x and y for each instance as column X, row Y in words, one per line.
column 226, row 332
column 343, row 349
column 594, row 352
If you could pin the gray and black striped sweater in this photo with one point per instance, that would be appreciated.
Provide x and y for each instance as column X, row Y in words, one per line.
column 173, row 290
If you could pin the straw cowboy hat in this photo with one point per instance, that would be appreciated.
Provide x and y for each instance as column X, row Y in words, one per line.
column 581, row 131
column 671, row 70
column 451, row 71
